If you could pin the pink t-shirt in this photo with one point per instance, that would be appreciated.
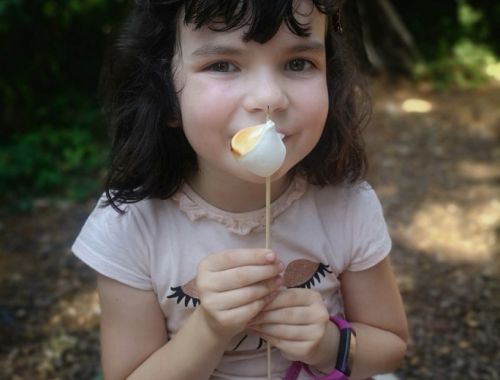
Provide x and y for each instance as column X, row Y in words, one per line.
column 156, row 245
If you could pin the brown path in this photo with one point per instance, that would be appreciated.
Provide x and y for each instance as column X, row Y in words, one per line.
column 438, row 176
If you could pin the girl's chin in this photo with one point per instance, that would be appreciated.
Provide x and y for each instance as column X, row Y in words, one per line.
column 280, row 175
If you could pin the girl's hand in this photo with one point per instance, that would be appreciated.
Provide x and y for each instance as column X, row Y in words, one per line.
column 235, row 285
column 296, row 323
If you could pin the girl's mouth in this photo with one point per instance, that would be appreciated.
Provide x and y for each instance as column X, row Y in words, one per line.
column 284, row 137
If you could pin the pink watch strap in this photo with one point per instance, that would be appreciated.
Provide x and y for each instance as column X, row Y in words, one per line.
column 341, row 323
column 294, row 370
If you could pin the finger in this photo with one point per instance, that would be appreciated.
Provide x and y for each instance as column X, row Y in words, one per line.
column 243, row 313
column 237, row 258
column 291, row 350
column 296, row 333
column 240, row 277
column 245, row 276
column 238, row 297
column 293, row 298
column 299, row 315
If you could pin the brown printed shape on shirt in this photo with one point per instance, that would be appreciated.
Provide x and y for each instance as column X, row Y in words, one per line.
column 302, row 273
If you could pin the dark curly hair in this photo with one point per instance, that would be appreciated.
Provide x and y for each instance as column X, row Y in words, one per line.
column 150, row 160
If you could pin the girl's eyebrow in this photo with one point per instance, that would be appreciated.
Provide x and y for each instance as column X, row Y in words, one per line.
column 211, row 49
column 309, row 46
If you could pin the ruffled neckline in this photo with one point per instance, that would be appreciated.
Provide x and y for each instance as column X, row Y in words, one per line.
column 242, row 223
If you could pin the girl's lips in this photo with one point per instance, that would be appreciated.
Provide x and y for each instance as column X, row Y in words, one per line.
column 282, row 134
column 284, row 137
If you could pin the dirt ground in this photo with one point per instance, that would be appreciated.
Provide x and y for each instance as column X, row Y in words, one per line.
column 437, row 174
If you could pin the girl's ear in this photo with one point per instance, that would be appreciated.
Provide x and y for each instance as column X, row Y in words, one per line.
column 174, row 124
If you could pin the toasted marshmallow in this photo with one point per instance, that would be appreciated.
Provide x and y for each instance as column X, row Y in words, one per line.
column 259, row 149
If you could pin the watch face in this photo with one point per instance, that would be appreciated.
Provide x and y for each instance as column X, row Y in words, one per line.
column 352, row 353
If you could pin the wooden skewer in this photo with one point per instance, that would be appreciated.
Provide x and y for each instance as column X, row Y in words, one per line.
column 268, row 246
column 268, row 212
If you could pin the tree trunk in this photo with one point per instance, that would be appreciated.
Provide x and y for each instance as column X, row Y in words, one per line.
column 388, row 45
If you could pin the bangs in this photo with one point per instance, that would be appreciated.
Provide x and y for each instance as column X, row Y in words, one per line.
column 263, row 18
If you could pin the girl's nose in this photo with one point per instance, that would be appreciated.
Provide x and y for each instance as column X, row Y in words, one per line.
column 265, row 93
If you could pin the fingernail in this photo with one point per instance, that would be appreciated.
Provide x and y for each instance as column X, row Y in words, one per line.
column 279, row 281
column 281, row 266
column 270, row 256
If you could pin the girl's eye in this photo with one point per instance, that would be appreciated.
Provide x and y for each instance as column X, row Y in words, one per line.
column 298, row 64
column 221, row 67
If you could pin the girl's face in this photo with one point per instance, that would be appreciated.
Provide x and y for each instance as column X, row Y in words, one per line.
column 226, row 84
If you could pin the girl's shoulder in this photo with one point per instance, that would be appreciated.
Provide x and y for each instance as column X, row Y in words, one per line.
column 345, row 197
column 145, row 209
column 353, row 215
column 117, row 243
column 143, row 217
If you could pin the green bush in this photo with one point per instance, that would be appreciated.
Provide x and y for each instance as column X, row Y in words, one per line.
column 50, row 163
column 457, row 39
column 466, row 67
column 51, row 132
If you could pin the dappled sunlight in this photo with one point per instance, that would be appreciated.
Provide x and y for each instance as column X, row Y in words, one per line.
column 453, row 232
column 80, row 312
column 387, row 190
column 478, row 170
column 76, row 314
column 493, row 70
column 414, row 105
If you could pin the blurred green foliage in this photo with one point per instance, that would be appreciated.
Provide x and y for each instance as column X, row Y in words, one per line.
column 466, row 66
column 458, row 39
column 52, row 136
column 45, row 160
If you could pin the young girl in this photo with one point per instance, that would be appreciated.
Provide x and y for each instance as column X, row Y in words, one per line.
column 186, row 292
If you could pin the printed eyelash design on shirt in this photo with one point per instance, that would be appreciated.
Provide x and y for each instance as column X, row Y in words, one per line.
column 261, row 343
column 304, row 273
column 188, row 292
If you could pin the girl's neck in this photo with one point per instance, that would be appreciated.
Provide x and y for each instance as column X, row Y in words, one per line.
column 233, row 194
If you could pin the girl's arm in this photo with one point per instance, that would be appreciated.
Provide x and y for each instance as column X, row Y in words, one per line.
column 297, row 323
column 133, row 338
column 374, row 307
column 233, row 285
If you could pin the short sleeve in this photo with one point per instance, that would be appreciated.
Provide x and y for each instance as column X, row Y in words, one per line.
column 114, row 245
column 370, row 238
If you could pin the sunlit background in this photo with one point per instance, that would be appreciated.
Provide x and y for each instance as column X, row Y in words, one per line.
column 433, row 144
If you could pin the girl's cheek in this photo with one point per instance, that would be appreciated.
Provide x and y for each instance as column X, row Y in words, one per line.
column 206, row 107
column 211, row 90
column 315, row 106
